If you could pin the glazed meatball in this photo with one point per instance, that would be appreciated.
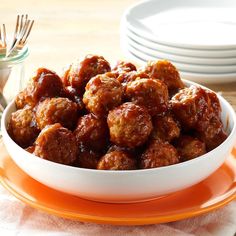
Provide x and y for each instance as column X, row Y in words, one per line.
column 56, row 110
column 189, row 147
column 45, row 83
column 102, row 94
column 87, row 158
column 117, row 160
column 153, row 94
column 192, row 107
column 157, row 154
column 92, row 132
column 165, row 71
column 165, row 128
column 129, row 125
column 213, row 135
column 80, row 72
column 22, row 127
column 56, row 143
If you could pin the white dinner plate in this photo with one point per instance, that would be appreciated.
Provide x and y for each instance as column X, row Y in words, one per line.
column 202, row 24
column 181, row 59
column 187, row 67
column 210, row 78
column 176, row 50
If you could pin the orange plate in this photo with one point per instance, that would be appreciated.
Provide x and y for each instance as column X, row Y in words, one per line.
column 212, row 193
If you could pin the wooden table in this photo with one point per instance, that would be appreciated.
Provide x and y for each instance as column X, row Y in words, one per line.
column 69, row 29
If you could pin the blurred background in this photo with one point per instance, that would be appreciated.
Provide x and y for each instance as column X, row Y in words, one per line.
column 67, row 29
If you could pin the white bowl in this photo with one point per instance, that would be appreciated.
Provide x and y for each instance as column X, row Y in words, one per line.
column 122, row 186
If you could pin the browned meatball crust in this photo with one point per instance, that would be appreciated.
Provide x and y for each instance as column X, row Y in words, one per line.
column 165, row 128
column 158, row 154
column 193, row 107
column 45, row 83
column 166, row 72
column 56, row 110
column 153, row 94
column 213, row 134
column 80, row 72
column 56, row 143
column 102, row 94
column 117, row 160
column 92, row 132
column 189, row 147
column 22, row 127
column 86, row 158
column 129, row 125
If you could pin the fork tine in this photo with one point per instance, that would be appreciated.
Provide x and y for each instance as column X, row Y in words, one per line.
column 28, row 32
column 21, row 22
column 24, row 31
column 4, row 36
column 17, row 26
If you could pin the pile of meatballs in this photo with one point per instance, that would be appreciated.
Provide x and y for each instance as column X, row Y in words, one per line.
column 119, row 118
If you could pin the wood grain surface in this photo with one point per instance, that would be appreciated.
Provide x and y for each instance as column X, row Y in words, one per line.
column 68, row 29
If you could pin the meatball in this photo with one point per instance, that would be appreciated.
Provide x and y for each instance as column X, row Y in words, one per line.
column 213, row 135
column 157, row 154
column 165, row 128
column 56, row 143
column 117, row 160
column 22, row 127
column 189, row 147
column 153, row 94
column 129, row 125
column 92, row 132
column 80, row 72
column 87, row 158
column 45, row 83
column 102, row 94
column 165, row 71
column 56, row 110
column 192, row 107
column 123, row 67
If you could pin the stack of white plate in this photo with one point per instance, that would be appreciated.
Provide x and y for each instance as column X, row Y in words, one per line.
column 198, row 37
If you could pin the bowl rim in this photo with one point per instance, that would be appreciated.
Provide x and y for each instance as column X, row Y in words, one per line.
column 188, row 83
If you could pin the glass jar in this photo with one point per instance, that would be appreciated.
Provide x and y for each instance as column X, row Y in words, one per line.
column 12, row 73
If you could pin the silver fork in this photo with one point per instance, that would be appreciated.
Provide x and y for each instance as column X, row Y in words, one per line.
column 22, row 31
